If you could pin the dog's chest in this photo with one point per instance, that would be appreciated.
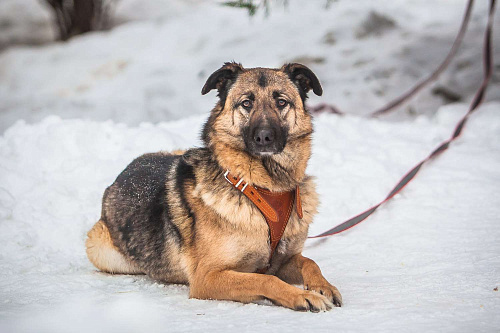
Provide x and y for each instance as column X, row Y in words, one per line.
column 235, row 209
column 244, row 233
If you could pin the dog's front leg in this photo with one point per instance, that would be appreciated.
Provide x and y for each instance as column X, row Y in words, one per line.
column 248, row 287
column 302, row 270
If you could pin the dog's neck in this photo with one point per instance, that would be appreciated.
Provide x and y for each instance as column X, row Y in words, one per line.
column 280, row 172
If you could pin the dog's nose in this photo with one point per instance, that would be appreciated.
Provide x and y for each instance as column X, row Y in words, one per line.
column 263, row 136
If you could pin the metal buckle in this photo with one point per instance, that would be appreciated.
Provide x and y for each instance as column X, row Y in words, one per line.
column 237, row 184
column 225, row 176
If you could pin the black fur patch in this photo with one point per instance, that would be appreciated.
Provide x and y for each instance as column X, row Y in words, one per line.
column 185, row 172
column 140, row 214
column 304, row 79
column 208, row 127
column 262, row 80
column 222, row 80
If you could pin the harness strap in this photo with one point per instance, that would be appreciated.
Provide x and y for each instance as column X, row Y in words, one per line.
column 275, row 206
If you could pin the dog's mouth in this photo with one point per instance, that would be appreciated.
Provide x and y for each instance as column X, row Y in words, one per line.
column 264, row 153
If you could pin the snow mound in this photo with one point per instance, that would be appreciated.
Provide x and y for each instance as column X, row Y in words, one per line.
column 428, row 259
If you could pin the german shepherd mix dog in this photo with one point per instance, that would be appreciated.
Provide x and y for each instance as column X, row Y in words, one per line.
column 206, row 217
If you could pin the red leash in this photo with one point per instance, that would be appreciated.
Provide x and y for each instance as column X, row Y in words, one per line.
column 476, row 101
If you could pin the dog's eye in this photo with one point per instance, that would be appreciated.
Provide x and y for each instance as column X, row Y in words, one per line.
column 247, row 104
column 282, row 103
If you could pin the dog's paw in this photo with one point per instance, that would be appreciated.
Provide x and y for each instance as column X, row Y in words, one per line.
column 329, row 291
column 311, row 301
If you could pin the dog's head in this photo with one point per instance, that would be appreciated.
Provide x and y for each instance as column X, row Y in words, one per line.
column 260, row 110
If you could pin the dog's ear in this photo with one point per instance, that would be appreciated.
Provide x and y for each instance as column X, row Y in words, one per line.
column 222, row 78
column 303, row 78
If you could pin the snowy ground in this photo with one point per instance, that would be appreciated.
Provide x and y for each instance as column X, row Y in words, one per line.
column 428, row 260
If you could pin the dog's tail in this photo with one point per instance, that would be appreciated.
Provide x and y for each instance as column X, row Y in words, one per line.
column 103, row 253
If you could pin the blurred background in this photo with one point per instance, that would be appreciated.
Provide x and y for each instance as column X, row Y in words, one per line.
column 134, row 60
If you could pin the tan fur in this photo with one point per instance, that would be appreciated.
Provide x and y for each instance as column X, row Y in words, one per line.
column 304, row 271
column 178, row 152
column 248, row 287
column 104, row 255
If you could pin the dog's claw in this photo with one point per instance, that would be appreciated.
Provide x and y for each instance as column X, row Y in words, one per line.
column 337, row 303
column 312, row 301
column 330, row 292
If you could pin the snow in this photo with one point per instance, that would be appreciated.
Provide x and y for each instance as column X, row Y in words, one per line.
column 73, row 115
column 429, row 259
column 25, row 22
column 154, row 69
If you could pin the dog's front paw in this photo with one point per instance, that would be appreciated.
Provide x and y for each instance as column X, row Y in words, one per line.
column 311, row 301
column 327, row 290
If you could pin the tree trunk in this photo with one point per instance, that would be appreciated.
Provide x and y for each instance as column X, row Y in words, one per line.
column 75, row 17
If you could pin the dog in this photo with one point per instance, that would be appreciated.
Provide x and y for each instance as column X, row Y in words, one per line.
column 193, row 217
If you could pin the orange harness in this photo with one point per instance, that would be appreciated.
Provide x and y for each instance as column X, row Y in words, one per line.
column 275, row 206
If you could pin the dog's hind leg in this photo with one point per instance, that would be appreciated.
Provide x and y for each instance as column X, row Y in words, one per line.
column 104, row 255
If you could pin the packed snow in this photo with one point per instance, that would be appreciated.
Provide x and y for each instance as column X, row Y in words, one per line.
column 73, row 115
